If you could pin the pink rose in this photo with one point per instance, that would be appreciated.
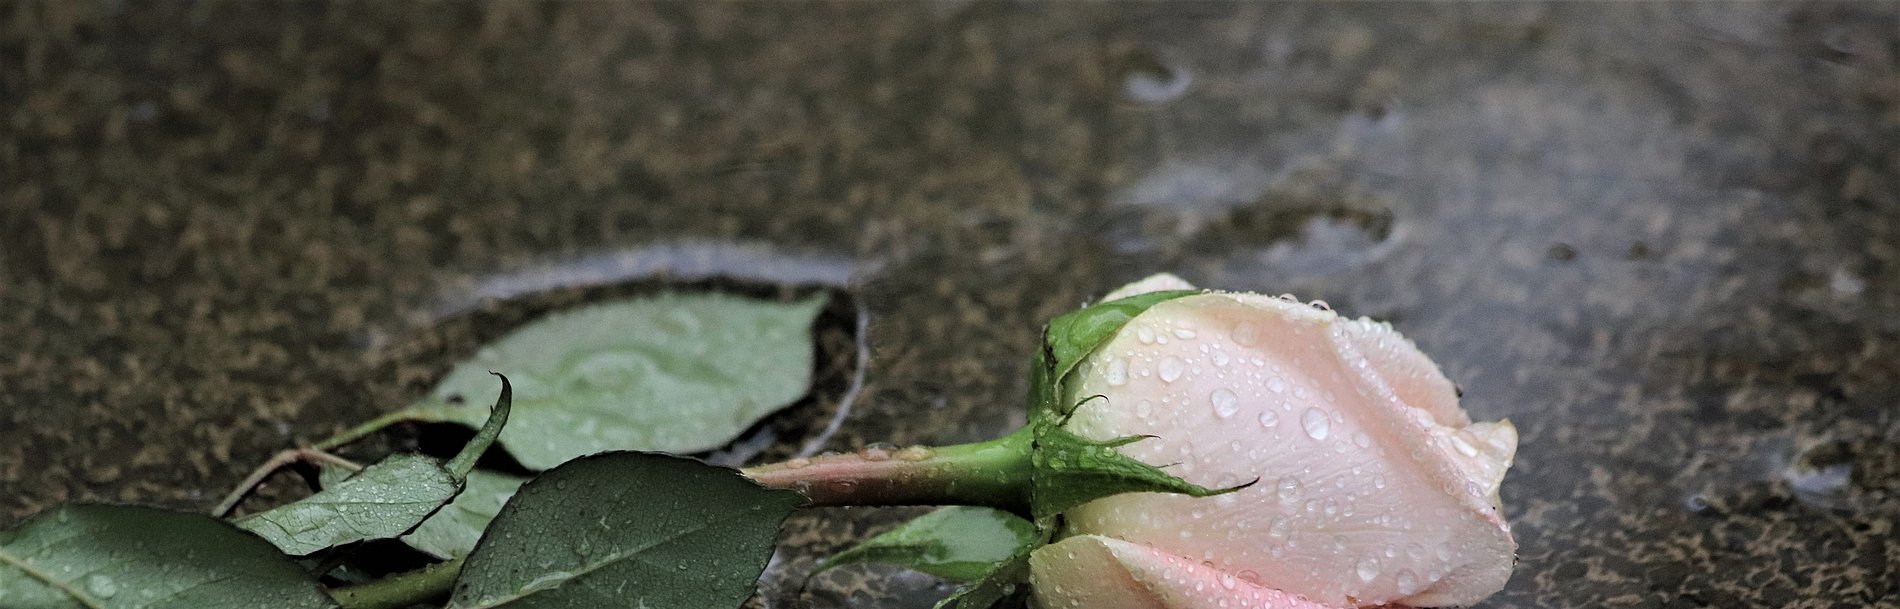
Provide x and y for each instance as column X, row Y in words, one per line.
column 1374, row 485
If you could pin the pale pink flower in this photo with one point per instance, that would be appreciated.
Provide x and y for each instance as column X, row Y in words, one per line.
column 1374, row 486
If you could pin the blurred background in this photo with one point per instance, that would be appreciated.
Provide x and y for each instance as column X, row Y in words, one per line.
column 1663, row 239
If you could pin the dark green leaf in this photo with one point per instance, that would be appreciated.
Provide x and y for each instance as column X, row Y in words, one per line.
column 112, row 557
column 960, row 543
column 673, row 373
column 626, row 530
column 330, row 474
column 382, row 501
column 453, row 531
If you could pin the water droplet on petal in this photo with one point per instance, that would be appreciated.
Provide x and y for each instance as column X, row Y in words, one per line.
column 1145, row 334
column 1408, row 583
column 1268, row 419
column 1144, row 409
column 1368, row 569
column 1289, row 488
column 1171, row 368
column 1464, row 448
column 1117, row 372
column 1247, row 334
column 1316, row 424
column 1226, row 403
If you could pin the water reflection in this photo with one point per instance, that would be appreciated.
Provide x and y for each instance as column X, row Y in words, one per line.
column 675, row 261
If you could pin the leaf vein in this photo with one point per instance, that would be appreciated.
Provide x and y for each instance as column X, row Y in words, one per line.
column 61, row 585
column 631, row 553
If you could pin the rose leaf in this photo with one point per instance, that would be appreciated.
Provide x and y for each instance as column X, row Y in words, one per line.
column 452, row 532
column 113, row 557
column 960, row 543
column 383, row 501
column 678, row 373
column 626, row 529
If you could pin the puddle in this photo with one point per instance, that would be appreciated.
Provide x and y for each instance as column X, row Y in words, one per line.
column 678, row 261
column 1153, row 78
column 1282, row 234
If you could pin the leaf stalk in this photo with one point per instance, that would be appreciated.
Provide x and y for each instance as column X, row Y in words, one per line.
column 398, row 591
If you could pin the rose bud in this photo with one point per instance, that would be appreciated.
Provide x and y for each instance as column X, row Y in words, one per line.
column 1374, row 486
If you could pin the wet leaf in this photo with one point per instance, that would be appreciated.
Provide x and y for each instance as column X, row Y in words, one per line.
column 626, row 530
column 958, row 543
column 380, row 502
column 453, row 531
column 383, row 501
column 677, row 373
column 112, row 557
column 330, row 474
column 1001, row 582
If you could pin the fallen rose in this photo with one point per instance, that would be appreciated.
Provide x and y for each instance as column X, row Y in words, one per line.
column 1375, row 486
column 1312, row 462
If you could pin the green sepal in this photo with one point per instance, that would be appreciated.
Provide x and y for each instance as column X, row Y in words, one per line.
column 1069, row 470
column 1073, row 336
column 1001, row 582
column 959, row 543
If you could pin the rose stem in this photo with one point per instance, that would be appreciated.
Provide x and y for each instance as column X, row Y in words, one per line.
column 993, row 474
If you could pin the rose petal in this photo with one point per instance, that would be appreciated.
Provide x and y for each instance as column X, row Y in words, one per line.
column 1364, row 498
column 1158, row 282
column 1416, row 379
column 1093, row 572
